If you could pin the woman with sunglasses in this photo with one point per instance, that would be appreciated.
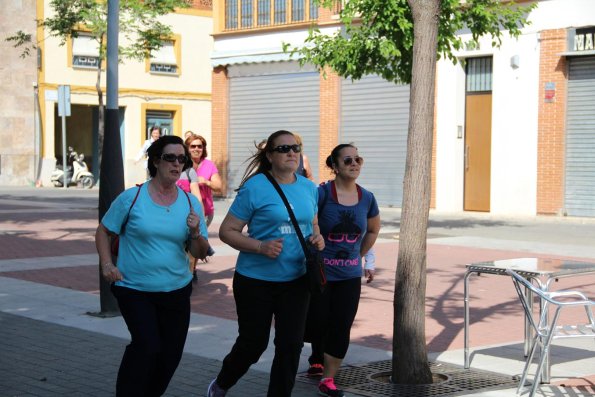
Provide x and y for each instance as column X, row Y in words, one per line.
column 270, row 280
column 209, row 179
column 349, row 221
column 151, row 281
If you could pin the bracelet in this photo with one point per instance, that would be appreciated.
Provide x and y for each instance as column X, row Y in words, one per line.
column 259, row 246
column 107, row 263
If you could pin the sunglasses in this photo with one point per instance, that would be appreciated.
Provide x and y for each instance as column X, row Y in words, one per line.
column 195, row 146
column 349, row 160
column 287, row 148
column 170, row 158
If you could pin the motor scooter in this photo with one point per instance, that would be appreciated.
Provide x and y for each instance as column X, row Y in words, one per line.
column 77, row 172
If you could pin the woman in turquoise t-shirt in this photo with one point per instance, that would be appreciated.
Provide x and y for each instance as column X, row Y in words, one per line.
column 269, row 281
column 151, row 282
column 349, row 222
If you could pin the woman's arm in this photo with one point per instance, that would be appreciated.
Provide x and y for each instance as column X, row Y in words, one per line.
column 307, row 168
column 215, row 183
column 195, row 190
column 371, row 234
column 103, row 244
column 316, row 239
column 198, row 244
column 230, row 232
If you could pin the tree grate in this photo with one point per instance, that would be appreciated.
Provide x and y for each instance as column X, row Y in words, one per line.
column 360, row 380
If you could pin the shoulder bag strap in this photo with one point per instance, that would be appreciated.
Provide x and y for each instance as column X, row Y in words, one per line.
column 294, row 221
column 123, row 227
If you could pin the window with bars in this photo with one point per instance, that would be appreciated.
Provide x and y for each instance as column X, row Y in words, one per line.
column 250, row 14
column 164, row 60
column 85, row 51
column 479, row 74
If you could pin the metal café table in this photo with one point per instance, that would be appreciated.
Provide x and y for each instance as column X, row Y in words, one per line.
column 541, row 271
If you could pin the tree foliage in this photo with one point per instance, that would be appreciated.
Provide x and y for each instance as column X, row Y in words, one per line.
column 377, row 36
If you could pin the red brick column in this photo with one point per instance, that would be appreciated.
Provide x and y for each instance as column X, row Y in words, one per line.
column 219, row 117
column 330, row 92
column 551, row 123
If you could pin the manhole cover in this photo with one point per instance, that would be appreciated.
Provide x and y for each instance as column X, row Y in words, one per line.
column 372, row 379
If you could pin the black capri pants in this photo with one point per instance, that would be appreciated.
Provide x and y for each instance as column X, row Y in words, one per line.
column 330, row 317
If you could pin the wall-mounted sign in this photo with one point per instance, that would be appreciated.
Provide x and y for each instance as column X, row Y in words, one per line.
column 581, row 39
column 550, row 92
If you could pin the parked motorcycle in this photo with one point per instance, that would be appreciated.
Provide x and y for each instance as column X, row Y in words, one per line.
column 77, row 172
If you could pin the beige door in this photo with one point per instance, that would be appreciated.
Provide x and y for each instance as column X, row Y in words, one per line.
column 478, row 138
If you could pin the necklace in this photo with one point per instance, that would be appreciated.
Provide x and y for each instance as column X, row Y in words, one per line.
column 165, row 199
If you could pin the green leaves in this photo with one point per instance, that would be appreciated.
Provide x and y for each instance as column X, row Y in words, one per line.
column 377, row 37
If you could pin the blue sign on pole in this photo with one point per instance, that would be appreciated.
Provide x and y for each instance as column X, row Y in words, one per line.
column 64, row 100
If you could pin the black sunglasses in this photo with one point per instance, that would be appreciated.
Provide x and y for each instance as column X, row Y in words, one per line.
column 287, row 148
column 170, row 158
column 349, row 160
column 195, row 146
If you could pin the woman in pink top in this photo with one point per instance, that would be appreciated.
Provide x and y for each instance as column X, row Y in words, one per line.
column 208, row 175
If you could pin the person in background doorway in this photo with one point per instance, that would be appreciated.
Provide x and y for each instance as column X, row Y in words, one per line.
column 151, row 281
column 155, row 134
column 270, row 281
column 304, row 168
column 349, row 221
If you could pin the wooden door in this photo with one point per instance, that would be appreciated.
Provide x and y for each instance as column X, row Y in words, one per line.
column 478, row 149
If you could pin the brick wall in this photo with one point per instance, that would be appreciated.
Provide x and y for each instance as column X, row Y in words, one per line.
column 551, row 123
column 219, row 114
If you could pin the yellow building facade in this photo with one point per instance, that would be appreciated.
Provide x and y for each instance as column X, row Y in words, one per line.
column 172, row 89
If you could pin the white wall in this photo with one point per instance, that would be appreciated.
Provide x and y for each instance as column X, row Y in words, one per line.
column 514, row 113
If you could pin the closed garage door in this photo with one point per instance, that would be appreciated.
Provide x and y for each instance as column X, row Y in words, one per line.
column 263, row 104
column 375, row 116
column 580, row 138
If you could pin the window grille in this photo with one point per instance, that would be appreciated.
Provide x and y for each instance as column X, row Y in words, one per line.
column 250, row 14
column 479, row 74
column 164, row 60
column 85, row 51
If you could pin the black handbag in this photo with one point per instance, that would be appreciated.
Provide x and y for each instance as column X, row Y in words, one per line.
column 314, row 262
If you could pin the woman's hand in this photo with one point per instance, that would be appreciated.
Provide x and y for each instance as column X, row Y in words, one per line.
column 271, row 248
column 110, row 272
column 193, row 221
column 369, row 274
column 318, row 241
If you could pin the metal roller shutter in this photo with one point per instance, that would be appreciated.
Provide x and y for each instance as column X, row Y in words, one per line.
column 580, row 138
column 261, row 105
column 375, row 116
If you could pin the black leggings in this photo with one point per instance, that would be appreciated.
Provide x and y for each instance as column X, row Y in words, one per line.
column 330, row 318
column 158, row 325
column 257, row 303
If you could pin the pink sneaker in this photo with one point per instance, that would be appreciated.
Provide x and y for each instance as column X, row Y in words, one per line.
column 327, row 388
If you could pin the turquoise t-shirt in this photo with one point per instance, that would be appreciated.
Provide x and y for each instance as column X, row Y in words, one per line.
column 151, row 255
column 259, row 204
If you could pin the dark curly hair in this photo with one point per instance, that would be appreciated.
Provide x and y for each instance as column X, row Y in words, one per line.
column 333, row 158
column 156, row 150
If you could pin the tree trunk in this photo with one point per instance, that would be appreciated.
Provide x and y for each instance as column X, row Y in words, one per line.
column 410, row 357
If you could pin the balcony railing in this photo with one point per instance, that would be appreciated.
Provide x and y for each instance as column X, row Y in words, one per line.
column 253, row 14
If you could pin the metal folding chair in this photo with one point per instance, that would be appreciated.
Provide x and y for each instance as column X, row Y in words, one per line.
column 546, row 330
